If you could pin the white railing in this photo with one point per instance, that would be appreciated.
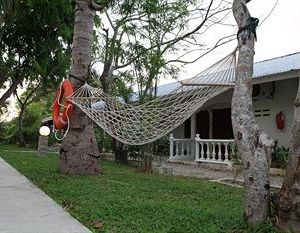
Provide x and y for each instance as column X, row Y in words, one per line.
column 181, row 149
column 201, row 150
column 213, row 150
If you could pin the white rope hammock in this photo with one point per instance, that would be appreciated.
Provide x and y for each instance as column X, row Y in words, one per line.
column 141, row 124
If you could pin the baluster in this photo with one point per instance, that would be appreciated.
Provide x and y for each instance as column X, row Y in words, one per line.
column 208, row 151
column 202, row 150
column 188, row 149
column 182, row 149
column 219, row 152
column 226, row 152
column 214, row 151
column 192, row 150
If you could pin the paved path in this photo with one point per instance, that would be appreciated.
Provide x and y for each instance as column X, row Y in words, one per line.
column 26, row 209
column 205, row 171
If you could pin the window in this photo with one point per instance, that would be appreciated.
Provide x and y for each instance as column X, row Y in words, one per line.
column 262, row 113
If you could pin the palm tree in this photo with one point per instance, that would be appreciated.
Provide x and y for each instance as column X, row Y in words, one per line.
column 79, row 153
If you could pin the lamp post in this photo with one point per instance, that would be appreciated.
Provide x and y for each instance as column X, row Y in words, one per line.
column 43, row 140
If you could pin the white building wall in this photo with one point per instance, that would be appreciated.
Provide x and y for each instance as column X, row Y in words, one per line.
column 285, row 93
column 284, row 96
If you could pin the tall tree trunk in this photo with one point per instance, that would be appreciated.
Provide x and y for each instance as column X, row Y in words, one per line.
column 79, row 153
column 287, row 200
column 253, row 145
column 3, row 79
column 13, row 87
column 120, row 151
column 20, row 127
column 119, row 148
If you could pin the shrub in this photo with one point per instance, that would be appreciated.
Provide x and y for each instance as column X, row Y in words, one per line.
column 104, row 141
column 282, row 155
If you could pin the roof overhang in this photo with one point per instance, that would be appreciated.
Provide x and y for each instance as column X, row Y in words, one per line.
column 277, row 77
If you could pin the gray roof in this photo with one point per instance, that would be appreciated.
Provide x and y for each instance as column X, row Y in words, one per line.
column 277, row 65
column 268, row 67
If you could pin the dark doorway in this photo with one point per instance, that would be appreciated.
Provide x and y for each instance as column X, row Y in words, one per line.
column 202, row 124
column 222, row 127
column 187, row 128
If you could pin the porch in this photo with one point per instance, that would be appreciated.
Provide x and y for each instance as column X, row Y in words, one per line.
column 216, row 151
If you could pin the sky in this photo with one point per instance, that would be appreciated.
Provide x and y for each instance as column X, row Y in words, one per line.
column 278, row 35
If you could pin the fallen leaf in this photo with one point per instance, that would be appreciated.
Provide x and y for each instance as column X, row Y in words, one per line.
column 98, row 224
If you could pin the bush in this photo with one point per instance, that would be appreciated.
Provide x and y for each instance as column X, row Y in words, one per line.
column 280, row 156
column 104, row 141
column 161, row 146
column 8, row 132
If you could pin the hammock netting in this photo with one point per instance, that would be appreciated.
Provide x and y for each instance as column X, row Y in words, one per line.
column 140, row 124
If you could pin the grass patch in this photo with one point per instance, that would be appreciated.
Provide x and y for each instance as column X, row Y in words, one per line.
column 126, row 201
column 10, row 147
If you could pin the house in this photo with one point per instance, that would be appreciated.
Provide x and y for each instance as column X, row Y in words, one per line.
column 207, row 135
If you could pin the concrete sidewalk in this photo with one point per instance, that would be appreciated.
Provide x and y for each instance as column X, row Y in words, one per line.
column 26, row 209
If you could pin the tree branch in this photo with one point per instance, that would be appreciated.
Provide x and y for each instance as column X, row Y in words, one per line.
column 97, row 6
column 171, row 42
column 217, row 45
column 10, row 90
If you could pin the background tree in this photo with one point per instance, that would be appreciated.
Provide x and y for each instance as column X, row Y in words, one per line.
column 7, row 8
column 137, row 39
column 253, row 145
column 26, row 99
column 35, row 42
column 32, row 117
column 287, row 200
column 140, row 36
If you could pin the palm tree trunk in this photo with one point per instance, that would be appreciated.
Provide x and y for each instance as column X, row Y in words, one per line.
column 79, row 153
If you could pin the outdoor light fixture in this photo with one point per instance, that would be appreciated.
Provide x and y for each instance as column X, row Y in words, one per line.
column 44, row 131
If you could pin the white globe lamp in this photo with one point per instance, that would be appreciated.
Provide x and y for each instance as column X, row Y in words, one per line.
column 44, row 131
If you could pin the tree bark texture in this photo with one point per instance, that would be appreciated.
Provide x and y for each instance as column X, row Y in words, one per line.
column 121, row 152
column 287, row 200
column 253, row 145
column 22, row 142
column 79, row 153
column 3, row 79
column 13, row 87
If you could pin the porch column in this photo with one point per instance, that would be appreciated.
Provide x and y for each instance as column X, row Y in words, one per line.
column 171, row 146
column 210, row 114
column 193, row 125
column 193, row 134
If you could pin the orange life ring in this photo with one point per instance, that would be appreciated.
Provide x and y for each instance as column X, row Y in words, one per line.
column 60, row 120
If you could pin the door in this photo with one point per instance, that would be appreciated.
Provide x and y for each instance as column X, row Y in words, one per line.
column 202, row 124
column 222, row 127
column 187, row 128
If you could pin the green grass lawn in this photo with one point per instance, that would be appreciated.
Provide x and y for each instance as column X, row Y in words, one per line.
column 126, row 201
